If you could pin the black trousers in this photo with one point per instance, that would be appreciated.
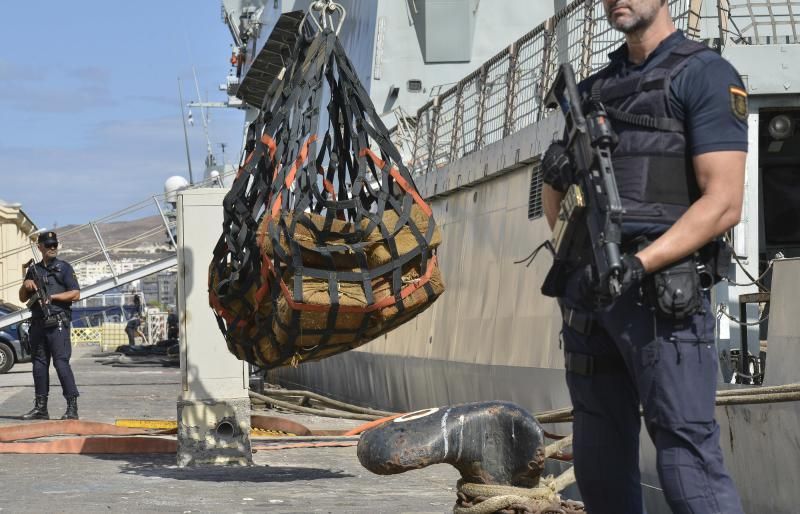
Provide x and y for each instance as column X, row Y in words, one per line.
column 670, row 369
column 51, row 343
column 130, row 328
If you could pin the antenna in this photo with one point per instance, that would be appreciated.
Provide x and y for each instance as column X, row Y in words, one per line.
column 222, row 146
column 185, row 134
column 203, row 115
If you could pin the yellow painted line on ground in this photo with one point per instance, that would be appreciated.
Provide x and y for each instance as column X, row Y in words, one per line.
column 155, row 424
column 166, row 424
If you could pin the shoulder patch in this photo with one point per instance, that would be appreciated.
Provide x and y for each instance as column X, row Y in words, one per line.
column 738, row 102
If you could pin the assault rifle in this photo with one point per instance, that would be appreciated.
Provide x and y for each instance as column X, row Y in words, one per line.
column 41, row 295
column 590, row 214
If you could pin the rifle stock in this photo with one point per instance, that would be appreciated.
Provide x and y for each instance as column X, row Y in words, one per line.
column 591, row 211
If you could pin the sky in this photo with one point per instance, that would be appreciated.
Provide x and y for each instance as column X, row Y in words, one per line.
column 90, row 120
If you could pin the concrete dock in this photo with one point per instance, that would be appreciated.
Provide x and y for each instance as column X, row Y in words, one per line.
column 325, row 479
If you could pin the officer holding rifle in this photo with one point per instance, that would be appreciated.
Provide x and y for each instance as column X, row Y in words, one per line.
column 50, row 287
column 641, row 332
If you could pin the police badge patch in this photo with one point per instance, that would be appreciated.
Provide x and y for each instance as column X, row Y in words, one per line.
column 738, row 102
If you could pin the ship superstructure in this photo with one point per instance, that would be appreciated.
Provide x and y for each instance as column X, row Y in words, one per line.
column 474, row 146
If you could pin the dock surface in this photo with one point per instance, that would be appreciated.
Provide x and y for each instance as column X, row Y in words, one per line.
column 283, row 481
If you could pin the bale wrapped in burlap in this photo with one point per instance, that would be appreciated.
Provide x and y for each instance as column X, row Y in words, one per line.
column 304, row 324
column 244, row 313
column 374, row 243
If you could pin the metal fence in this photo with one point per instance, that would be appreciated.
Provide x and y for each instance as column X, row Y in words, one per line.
column 763, row 22
column 506, row 93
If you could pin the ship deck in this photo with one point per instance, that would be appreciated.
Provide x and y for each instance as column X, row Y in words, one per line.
column 294, row 480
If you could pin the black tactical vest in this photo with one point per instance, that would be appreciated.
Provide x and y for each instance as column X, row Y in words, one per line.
column 53, row 277
column 653, row 168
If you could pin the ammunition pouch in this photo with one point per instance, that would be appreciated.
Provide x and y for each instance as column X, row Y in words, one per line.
column 54, row 320
column 675, row 292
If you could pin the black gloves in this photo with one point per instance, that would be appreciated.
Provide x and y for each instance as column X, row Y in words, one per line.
column 633, row 272
column 595, row 292
column 557, row 169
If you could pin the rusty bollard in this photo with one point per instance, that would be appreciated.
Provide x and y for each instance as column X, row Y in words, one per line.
column 497, row 447
column 487, row 442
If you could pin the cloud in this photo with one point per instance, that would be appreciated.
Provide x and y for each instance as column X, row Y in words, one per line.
column 90, row 74
column 16, row 72
column 153, row 99
column 69, row 90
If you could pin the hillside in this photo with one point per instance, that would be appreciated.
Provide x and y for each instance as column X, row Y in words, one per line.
column 139, row 238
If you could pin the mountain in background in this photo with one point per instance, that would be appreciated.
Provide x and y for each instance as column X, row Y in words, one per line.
column 144, row 238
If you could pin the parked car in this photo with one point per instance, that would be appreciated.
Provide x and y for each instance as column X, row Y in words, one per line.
column 12, row 350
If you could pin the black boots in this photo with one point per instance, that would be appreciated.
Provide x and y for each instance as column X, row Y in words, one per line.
column 39, row 410
column 72, row 408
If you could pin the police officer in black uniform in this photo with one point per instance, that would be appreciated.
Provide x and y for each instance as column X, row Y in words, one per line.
column 50, row 337
column 680, row 112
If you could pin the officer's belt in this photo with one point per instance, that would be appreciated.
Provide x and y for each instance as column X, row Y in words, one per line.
column 588, row 365
column 63, row 316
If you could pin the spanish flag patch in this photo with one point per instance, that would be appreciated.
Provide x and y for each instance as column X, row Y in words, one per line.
column 738, row 102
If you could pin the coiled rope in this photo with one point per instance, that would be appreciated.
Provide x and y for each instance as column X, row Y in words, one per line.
column 490, row 498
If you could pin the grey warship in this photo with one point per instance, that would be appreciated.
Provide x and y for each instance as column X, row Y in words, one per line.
column 463, row 86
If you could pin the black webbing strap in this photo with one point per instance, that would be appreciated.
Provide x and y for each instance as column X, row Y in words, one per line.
column 579, row 321
column 659, row 77
column 588, row 365
column 645, row 120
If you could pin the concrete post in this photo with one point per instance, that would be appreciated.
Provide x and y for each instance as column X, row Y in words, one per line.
column 213, row 407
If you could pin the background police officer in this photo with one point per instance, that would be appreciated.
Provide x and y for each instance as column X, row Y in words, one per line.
column 680, row 112
column 50, row 337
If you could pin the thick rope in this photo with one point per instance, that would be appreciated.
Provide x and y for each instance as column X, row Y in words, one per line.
column 556, row 447
column 260, row 398
column 542, row 499
column 327, row 401
column 752, row 396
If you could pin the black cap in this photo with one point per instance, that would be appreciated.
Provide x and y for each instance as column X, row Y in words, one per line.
column 48, row 238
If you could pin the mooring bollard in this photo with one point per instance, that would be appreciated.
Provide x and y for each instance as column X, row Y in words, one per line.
column 497, row 447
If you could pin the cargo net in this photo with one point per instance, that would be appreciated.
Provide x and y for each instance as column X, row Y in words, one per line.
column 326, row 242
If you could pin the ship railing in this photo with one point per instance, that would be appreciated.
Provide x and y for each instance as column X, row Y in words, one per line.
column 506, row 93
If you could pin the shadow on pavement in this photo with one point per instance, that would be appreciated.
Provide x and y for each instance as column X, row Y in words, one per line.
column 163, row 466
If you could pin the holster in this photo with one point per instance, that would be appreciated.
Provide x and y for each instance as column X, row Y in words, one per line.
column 555, row 283
column 716, row 258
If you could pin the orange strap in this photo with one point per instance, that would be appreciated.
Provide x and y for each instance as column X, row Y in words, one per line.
column 371, row 424
column 298, row 163
column 395, row 173
column 267, row 140
column 327, row 184
column 213, row 300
